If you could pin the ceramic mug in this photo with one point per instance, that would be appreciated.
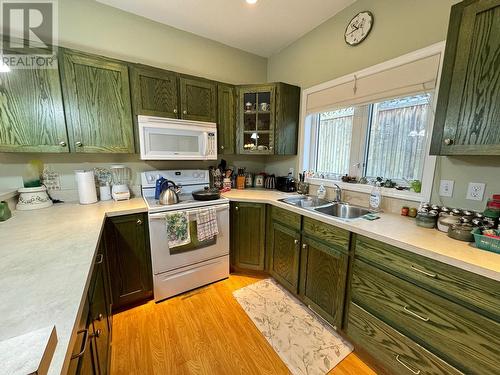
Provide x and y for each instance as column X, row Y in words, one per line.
column 264, row 106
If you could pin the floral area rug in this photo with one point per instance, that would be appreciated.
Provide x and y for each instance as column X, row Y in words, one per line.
column 303, row 342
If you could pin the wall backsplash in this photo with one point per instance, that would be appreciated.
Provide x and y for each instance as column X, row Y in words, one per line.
column 13, row 165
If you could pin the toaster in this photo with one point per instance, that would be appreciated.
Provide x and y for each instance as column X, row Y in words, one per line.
column 285, row 184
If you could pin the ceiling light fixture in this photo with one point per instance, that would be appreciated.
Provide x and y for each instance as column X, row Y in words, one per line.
column 251, row 1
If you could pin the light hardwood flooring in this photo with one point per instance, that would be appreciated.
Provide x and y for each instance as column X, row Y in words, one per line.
column 201, row 332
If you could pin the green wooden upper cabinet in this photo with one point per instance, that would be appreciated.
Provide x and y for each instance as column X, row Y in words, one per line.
column 268, row 118
column 198, row 99
column 154, row 92
column 226, row 119
column 468, row 109
column 31, row 111
column 97, row 103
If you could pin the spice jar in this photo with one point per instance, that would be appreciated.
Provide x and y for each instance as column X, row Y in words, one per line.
column 426, row 219
column 412, row 212
column 404, row 211
column 445, row 221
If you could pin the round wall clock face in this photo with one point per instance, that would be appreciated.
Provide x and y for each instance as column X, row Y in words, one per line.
column 359, row 28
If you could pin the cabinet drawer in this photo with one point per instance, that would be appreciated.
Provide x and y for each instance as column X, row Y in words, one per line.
column 327, row 233
column 476, row 292
column 394, row 351
column 463, row 338
column 286, row 217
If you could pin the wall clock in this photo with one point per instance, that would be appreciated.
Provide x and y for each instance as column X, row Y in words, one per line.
column 358, row 29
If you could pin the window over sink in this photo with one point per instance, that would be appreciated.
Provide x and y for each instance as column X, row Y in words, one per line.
column 375, row 123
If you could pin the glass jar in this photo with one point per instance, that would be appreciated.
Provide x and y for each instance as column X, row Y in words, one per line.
column 426, row 219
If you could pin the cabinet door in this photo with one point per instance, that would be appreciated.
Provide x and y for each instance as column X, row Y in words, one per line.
column 287, row 119
column 226, row 122
column 154, row 92
column 32, row 113
column 256, row 120
column 99, row 313
column 198, row 100
column 468, row 111
column 285, row 254
column 127, row 244
column 248, row 233
column 83, row 354
column 97, row 104
column 323, row 279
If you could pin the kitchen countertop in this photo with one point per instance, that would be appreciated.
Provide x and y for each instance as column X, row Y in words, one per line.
column 47, row 256
column 395, row 230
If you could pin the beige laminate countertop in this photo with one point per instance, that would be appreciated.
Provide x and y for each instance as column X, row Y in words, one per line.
column 395, row 230
column 46, row 259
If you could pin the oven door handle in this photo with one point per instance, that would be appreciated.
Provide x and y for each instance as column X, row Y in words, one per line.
column 217, row 208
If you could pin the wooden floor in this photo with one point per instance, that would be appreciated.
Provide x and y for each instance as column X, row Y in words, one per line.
column 201, row 332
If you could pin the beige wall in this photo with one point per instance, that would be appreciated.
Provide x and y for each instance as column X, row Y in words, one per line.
column 400, row 26
column 97, row 28
column 90, row 26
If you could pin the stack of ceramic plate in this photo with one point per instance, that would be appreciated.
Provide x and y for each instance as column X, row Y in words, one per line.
column 33, row 198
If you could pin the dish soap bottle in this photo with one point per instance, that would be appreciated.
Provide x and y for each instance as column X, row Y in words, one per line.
column 321, row 192
column 376, row 197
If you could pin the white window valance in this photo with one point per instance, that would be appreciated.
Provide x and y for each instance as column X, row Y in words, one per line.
column 416, row 76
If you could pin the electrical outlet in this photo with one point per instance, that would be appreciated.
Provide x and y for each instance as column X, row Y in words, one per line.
column 446, row 188
column 475, row 191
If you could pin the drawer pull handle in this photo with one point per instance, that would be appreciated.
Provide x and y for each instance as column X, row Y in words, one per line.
column 406, row 308
column 99, row 259
column 433, row 275
column 85, row 339
column 416, row 372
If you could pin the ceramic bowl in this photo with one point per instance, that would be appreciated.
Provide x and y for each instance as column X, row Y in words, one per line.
column 33, row 198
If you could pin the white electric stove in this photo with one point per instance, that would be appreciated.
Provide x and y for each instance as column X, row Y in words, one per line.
column 198, row 263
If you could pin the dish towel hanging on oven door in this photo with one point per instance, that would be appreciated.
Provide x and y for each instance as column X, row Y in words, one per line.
column 177, row 228
column 206, row 224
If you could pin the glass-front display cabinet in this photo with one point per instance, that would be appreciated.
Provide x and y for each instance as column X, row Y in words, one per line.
column 256, row 119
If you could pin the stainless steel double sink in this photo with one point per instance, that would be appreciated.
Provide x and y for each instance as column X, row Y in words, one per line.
column 335, row 209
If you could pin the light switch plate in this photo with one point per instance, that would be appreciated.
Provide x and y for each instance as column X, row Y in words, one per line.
column 446, row 188
column 475, row 191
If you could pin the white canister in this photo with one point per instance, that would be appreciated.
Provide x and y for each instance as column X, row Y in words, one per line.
column 85, row 182
column 105, row 192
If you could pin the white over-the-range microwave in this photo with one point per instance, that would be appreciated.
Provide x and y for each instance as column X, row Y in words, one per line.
column 172, row 139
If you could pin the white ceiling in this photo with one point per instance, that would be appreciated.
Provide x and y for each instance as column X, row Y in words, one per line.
column 262, row 28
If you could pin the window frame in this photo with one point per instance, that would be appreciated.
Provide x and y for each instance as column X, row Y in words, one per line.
column 306, row 157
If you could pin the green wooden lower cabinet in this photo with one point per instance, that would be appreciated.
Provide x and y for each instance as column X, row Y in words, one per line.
column 91, row 353
column 248, row 235
column 393, row 352
column 323, row 279
column 127, row 243
column 463, row 338
column 285, row 256
column 476, row 292
column 100, row 316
